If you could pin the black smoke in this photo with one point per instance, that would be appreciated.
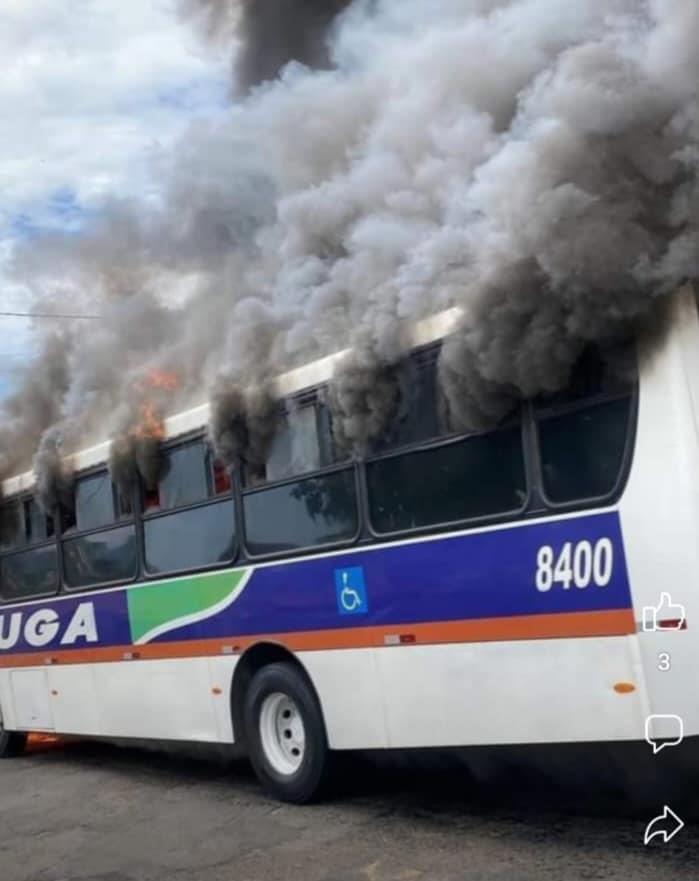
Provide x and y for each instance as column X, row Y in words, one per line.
column 272, row 33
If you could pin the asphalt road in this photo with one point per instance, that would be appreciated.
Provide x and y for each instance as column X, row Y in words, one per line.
column 96, row 812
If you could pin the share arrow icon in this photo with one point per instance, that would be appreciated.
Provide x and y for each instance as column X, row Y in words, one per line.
column 666, row 826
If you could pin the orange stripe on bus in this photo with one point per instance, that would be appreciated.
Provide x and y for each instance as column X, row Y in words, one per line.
column 557, row 626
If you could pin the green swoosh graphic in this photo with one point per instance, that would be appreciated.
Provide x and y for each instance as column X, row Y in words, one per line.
column 167, row 602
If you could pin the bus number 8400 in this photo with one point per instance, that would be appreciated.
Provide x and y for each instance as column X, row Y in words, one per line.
column 581, row 564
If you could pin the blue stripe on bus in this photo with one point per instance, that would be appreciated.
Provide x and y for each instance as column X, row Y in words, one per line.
column 470, row 576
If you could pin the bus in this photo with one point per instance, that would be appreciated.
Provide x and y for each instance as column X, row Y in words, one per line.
column 535, row 584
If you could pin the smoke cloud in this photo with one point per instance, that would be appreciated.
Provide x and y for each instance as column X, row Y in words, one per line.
column 532, row 162
column 271, row 32
column 363, row 399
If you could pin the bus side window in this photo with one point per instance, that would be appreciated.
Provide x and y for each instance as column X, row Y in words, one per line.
column 418, row 417
column 299, row 514
column 38, row 526
column 184, row 477
column 468, row 478
column 194, row 524
column 29, row 558
column 582, row 431
column 298, row 511
column 99, row 535
column 11, row 532
column 300, row 443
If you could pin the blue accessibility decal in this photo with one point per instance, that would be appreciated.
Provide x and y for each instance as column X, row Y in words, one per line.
column 350, row 588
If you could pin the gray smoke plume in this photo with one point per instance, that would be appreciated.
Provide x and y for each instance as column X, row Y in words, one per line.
column 36, row 406
column 54, row 475
column 363, row 399
column 243, row 422
column 272, row 33
column 534, row 163
column 131, row 455
column 9, row 524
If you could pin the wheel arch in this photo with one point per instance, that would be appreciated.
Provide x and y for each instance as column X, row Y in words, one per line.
column 257, row 656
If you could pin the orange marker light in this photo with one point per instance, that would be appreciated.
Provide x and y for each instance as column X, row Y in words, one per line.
column 624, row 687
column 216, row 690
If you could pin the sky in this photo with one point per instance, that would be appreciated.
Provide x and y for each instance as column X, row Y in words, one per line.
column 93, row 92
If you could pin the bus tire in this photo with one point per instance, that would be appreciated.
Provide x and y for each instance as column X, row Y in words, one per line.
column 12, row 743
column 285, row 732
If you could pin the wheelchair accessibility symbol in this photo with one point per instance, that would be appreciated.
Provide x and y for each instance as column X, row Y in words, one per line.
column 350, row 589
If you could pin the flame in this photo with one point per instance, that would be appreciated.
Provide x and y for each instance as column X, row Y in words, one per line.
column 37, row 742
column 163, row 379
column 150, row 425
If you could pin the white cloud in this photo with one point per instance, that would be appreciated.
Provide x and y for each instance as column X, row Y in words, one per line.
column 92, row 93
column 90, row 90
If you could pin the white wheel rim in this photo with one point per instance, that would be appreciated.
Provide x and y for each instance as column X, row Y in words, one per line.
column 282, row 733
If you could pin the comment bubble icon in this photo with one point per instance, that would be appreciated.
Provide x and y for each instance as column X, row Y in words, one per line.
column 664, row 730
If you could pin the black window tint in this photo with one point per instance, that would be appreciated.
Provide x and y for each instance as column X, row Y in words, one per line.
column 189, row 539
column 37, row 526
column 101, row 557
column 305, row 514
column 479, row 476
column 582, row 451
column 94, row 502
column 296, row 447
column 417, row 418
column 124, row 504
column 29, row 573
column 583, row 430
column 11, row 526
column 185, row 478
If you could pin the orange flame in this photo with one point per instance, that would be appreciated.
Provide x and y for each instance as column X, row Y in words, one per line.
column 37, row 742
column 150, row 425
column 163, row 379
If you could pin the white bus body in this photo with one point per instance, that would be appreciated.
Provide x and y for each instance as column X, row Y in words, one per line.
column 392, row 677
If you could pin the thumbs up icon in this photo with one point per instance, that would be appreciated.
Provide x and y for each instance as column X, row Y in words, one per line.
column 666, row 616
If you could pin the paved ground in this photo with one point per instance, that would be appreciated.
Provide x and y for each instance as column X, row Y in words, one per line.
column 102, row 813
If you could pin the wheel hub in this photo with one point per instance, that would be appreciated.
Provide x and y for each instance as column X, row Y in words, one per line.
column 282, row 733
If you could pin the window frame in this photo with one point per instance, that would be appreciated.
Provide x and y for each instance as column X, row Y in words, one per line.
column 74, row 533
column 453, row 439
column 54, row 541
column 423, row 358
column 120, row 519
column 143, row 516
column 587, row 502
column 185, row 440
column 311, row 397
column 346, row 465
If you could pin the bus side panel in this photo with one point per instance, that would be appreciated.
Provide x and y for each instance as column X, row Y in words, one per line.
column 349, row 689
column 165, row 700
column 30, row 699
column 529, row 691
column 660, row 518
column 74, row 699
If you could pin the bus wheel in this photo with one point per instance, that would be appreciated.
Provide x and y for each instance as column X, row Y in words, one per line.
column 12, row 743
column 286, row 738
